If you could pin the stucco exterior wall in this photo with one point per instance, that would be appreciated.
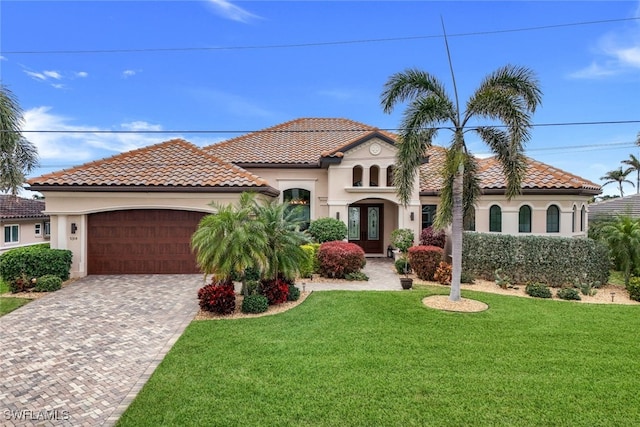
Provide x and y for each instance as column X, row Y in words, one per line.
column 26, row 233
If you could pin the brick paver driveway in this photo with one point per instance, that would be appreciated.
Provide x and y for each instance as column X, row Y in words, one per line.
column 80, row 355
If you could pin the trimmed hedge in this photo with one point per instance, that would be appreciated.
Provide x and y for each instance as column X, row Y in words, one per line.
column 48, row 283
column 337, row 259
column 255, row 304
column 634, row 288
column 310, row 262
column 538, row 290
column 555, row 261
column 424, row 260
column 327, row 229
column 35, row 261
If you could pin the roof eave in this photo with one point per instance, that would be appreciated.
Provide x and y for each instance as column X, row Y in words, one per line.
column 267, row 190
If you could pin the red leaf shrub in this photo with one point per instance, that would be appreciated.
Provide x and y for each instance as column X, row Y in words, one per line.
column 424, row 260
column 276, row 291
column 218, row 297
column 430, row 237
column 338, row 258
column 443, row 273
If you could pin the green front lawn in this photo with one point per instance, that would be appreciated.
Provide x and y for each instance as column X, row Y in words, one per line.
column 7, row 305
column 383, row 359
column 4, row 287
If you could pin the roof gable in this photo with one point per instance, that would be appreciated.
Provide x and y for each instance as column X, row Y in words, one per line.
column 12, row 207
column 304, row 141
column 169, row 165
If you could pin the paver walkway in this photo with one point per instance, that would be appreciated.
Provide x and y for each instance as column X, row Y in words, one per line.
column 79, row 356
column 382, row 277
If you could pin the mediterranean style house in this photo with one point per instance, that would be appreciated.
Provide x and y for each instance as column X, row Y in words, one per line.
column 135, row 212
column 23, row 221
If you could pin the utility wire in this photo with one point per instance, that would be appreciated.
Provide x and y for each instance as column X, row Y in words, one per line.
column 286, row 131
column 314, row 44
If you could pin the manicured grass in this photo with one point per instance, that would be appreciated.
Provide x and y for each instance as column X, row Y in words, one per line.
column 4, row 287
column 7, row 305
column 382, row 358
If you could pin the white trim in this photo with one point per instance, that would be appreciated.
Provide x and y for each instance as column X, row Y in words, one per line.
column 11, row 242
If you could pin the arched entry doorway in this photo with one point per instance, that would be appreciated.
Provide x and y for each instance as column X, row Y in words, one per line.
column 366, row 226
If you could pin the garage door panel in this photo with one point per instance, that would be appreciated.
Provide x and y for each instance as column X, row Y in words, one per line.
column 152, row 241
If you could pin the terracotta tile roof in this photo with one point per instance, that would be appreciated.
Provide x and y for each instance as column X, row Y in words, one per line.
column 302, row 141
column 538, row 176
column 12, row 207
column 171, row 164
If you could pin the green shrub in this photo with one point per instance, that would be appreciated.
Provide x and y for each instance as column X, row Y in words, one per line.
column 356, row 276
column 588, row 289
column 555, row 261
column 22, row 284
column 48, row 283
column 294, row 293
column 634, row 288
column 255, row 304
column 402, row 239
column 538, row 290
column 569, row 294
column 466, row 277
column 424, row 260
column 401, row 264
column 327, row 230
column 35, row 261
column 307, row 268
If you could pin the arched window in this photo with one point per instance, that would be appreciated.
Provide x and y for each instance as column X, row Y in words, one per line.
column 357, row 176
column 524, row 219
column 553, row 219
column 495, row 219
column 374, row 176
column 469, row 221
column 299, row 199
column 583, row 218
column 390, row 176
column 573, row 219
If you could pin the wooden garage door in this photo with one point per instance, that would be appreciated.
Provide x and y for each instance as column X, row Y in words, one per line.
column 145, row 241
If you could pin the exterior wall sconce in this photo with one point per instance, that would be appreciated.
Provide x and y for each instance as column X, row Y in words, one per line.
column 74, row 228
column 412, row 216
column 337, row 215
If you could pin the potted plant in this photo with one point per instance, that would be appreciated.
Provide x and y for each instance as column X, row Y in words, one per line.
column 402, row 239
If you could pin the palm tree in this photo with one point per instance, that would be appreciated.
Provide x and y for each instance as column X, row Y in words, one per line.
column 509, row 95
column 623, row 239
column 634, row 166
column 619, row 176
column 18, row 156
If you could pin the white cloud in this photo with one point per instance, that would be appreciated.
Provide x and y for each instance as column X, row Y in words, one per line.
column 36, row 76
column 230, row 11
column 52, row 74
column 594, row 70
column 2, row 58
column 83, row 143
column 82, row 74
column 129, row 73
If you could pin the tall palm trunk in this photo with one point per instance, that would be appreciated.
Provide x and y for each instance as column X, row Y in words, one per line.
column 456, row 233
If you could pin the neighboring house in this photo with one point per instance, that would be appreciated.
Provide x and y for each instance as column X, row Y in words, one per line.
column 135, row 212
column 23, row 222
column 628, row 205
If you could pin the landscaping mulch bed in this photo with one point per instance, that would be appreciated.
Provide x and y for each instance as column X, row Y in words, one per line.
column 32, row 294
column 238, row 314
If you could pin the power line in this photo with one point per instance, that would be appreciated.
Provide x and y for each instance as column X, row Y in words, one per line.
column 316, row 44
column 287, row 131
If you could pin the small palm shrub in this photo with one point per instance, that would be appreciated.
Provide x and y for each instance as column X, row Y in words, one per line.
column 327, row 230
column 588, row 289
column 538, row 290
column 337, row 259
column 569, row 294
column 294, row 293
column 218, row 297
column 424, row 260
column 48, row 283
column 502, row 280
column 255, row 304
column 430, row 237
column 634, row 288
column 276, row 291
column 443, row 273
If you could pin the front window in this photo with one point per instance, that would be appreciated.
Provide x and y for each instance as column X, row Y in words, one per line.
column 299, row 199
column 428, row 215
column 495, row 219
column 583, row 217
column 553, row 219
column 390, row 176
column 573, row 219
column 38, row 230
column 47, row 229
column 524, row 219
column 374, row 176
column 11, row 233
column 356, row 179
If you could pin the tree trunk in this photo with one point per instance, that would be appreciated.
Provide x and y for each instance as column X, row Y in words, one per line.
column 456, row 234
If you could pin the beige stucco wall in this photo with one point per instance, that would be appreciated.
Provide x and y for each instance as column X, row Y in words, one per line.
column 26, row 233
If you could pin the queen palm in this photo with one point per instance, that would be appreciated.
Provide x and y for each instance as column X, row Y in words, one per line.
column 634, row 166
column 18, row 156
column 509, row 96
column 623, row 238
column 619, row 176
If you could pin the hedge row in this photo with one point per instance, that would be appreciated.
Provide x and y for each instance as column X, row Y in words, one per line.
column 555, row 261
column 35, row 261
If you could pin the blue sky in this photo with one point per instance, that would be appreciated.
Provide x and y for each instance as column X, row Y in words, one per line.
column 229, row 66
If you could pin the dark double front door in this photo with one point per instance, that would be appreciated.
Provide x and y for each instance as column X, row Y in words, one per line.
column 365, row 227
